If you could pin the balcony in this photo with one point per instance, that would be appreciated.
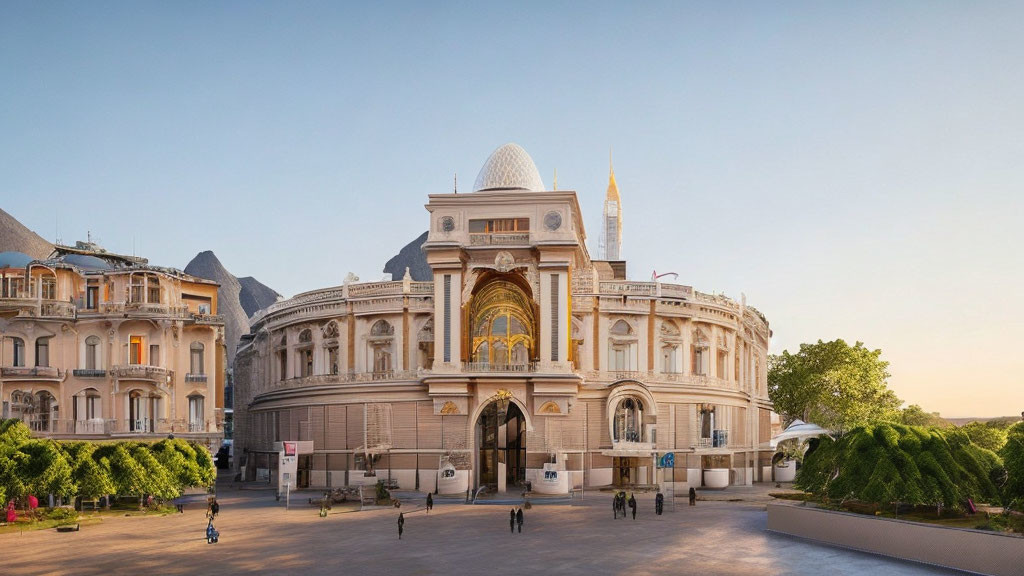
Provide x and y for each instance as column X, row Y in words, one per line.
column 91, row 426
column 87, row 373
column 34, row 307
column 719, row 439
column 140, row 372
column 198, row 426
column 211, row 319
column 487, row 239
column 144, row 308
column 523, row 367
column 195, row 377
column 35, row 373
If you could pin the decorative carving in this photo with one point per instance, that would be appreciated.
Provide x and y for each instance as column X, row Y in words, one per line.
column 447, row 224
column 330, row 330
column 550, row 407
column 504, row 261
column 449, row 407
column 552, row 220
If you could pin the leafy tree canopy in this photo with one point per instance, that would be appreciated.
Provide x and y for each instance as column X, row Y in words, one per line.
column 1013, row 458
column 990, row 437
column 914, row 415
column 832, row 384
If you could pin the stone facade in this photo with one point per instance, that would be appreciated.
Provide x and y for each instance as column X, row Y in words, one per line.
column 95, row 345
column 519, row 362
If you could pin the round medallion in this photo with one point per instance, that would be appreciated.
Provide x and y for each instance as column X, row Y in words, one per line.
column 552, row 221
column 447, row 223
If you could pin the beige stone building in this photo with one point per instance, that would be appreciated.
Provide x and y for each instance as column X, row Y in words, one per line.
column 524, row 360
column 95, row 345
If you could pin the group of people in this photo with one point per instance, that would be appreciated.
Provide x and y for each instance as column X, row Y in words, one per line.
column 515, row 518
column 619, row 503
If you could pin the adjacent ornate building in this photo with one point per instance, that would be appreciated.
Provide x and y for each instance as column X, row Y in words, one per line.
column 524, row 360
column 95, row 345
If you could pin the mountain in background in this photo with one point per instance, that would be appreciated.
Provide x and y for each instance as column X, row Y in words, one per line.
column 255, row 295
column 412, row 257
column 15, row 237
column 237, row 298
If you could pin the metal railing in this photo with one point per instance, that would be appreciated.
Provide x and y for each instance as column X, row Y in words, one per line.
column 89, row 373
column 195, row 377
column 92, row 426
column 197, row 426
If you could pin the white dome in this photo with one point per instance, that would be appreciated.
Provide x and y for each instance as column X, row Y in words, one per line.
column 509, row 168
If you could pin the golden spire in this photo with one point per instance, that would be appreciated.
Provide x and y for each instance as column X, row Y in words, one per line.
column 613, row 189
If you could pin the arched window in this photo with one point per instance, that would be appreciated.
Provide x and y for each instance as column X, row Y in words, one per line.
column 142, row 410
column 88, row 412
column 629, row 420
column 331, row 332
column 43, row 351
column 196, row 414
column 621, row 347
column 196, row 365
column 19, row 352
column 503, row 325
column 92, row 353
column 305, row 353
column 381, row 335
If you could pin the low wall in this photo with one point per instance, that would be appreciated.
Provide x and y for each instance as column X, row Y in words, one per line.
column 961, row 549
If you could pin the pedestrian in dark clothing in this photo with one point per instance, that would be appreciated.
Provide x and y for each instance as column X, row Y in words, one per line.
column 659, row 503
column 430, row 502
column 401, row 524
column 632, row 505
column 519, row 520
column 512, row 520
column 615, row 506
column 693, row 496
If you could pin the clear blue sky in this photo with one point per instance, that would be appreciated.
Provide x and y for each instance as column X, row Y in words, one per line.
column 855, row 169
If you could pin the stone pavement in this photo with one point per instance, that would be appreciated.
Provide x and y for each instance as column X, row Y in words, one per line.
column 259, row 536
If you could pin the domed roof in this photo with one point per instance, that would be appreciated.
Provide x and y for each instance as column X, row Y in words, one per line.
column 86, row 261
column 509, row 168
column 14, row 259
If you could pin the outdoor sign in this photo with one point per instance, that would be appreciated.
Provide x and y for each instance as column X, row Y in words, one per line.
column 289, row 465
column 668, row 460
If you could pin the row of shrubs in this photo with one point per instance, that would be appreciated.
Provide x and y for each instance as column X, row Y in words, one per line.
column 889, row 463
column 91, row 470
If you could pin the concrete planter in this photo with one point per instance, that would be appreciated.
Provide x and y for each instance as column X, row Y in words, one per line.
column 786, row 472
column 716, row 478
column 961, row 549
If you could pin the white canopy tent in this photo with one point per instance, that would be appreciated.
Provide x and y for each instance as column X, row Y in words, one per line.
column 799, row 429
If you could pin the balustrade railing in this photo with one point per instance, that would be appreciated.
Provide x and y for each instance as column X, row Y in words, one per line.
column 496, row 367
column 89, row 373
column 487, row 239
column 92, row 426
column 195, row 377
column 140, row 371
column 31, row 372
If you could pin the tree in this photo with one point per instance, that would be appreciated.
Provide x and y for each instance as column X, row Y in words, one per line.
column 890, row 463
column 92, row 478
column 832, row 384
column 159, row 482
column 1013, row 458
column 46, row 470
column 914, row 415
column 990, row 437
column 180, row 458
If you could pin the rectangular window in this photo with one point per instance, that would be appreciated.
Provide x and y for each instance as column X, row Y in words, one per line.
column 92, row 294
column 19, row 352
column 554, row 317
column 49, row 288
column 90, row 356
column 447, row 317
column 197, row 362
column 283, row 357
column 92, row 407
column 154, row 355
column 499, row 226
column 154, row 294
column 135, row 350
column 699, row 365
column 720, row 369
column 332, row 359
column 43, row 352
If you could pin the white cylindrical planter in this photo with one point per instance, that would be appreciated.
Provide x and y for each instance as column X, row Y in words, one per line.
column 454, row 482
column 786, row 472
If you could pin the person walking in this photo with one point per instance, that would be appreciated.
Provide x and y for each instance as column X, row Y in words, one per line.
column 401, row 524
column 214, row 508
column 615, row 506
column 519, row 520
column 693, row 496
column 632, row 504
column 512, row 520
column 659, row 503
column 430, row 502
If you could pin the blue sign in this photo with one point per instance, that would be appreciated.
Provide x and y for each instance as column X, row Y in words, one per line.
column 668, row 460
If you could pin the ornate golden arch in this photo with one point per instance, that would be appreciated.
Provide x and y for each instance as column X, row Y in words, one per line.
column 503, row 325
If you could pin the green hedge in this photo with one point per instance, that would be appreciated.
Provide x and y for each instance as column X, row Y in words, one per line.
column 1013, row 457
column 91, row 470
column 888, row 463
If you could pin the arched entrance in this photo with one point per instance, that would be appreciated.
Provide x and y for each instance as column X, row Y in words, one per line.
column 501, row 445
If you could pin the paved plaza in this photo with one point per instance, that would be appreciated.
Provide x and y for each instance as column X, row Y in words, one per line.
column 258, row 536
